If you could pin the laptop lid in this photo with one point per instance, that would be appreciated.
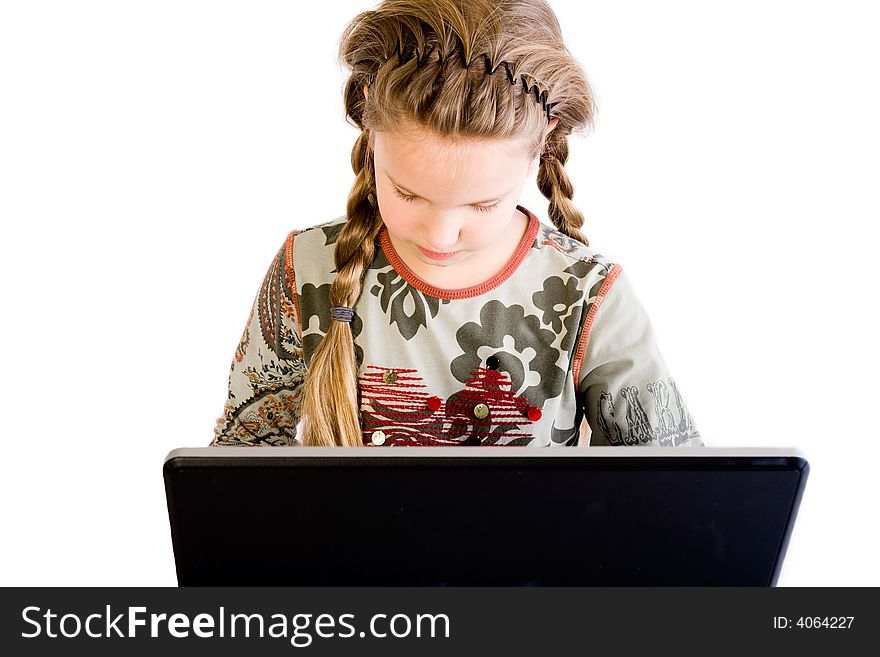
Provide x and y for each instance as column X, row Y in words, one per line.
column 442, row 516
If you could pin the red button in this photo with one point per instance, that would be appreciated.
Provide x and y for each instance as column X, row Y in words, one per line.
column 534, row 413
column 434, row 403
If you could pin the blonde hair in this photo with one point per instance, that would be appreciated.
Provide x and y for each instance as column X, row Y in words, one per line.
column 463, row 70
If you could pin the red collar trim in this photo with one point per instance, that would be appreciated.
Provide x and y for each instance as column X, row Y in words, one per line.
column 465, row 292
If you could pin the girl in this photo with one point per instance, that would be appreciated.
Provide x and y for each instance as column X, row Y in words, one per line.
column 438, row 311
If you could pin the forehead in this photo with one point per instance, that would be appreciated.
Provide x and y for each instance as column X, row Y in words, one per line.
column 437, row 147
column 428, row 153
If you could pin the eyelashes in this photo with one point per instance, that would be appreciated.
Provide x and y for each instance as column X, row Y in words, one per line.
column 410, row 199
column 400, row 194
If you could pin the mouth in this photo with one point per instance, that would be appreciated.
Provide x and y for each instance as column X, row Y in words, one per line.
column 437, row 256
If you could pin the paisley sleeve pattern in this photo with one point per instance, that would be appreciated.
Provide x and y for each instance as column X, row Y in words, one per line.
column 267, row 370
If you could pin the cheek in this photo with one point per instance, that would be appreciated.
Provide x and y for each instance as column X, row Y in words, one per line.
column 396, row 213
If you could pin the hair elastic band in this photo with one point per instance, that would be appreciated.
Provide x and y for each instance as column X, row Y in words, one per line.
column 341, row 314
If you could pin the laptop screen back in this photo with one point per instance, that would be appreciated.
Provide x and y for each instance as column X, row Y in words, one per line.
column 442, row 516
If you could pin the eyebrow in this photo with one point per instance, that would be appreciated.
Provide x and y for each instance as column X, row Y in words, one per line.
column 411, row 193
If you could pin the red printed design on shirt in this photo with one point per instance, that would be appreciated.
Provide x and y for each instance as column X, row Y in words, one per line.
column 397, row 403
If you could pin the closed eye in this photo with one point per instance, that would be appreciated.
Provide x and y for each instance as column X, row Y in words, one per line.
column 405, row 197
column 411, row 199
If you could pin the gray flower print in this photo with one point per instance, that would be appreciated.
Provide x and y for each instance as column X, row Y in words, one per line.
column 572, row 325
column 523, row 349
column 331, row 233
column 556, row 299
column 406, row 306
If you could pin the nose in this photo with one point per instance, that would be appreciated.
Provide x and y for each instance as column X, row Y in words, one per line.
column 441, row 233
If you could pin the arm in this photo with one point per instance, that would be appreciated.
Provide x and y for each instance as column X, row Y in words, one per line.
column 267, row 371
column 624, row 387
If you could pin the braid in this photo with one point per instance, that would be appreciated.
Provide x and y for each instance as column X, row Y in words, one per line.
column 355, row 244
column 554, row 183
column 330, row 410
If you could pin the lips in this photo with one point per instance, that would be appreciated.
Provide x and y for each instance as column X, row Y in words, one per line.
column 437, row 256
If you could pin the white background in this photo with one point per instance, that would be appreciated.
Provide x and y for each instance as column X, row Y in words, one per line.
column 154, row 155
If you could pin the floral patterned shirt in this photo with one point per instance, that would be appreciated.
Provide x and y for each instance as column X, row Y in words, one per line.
column 554, row 350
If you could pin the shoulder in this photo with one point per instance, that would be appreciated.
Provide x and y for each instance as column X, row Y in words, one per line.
column 323, row 234
column 313, row 244
column 560, row 253
column 309, row 254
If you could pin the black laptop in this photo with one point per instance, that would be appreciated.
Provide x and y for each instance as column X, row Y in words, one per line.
column 481, row 516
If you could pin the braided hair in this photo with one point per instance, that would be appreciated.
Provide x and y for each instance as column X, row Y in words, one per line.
column 436, row 66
